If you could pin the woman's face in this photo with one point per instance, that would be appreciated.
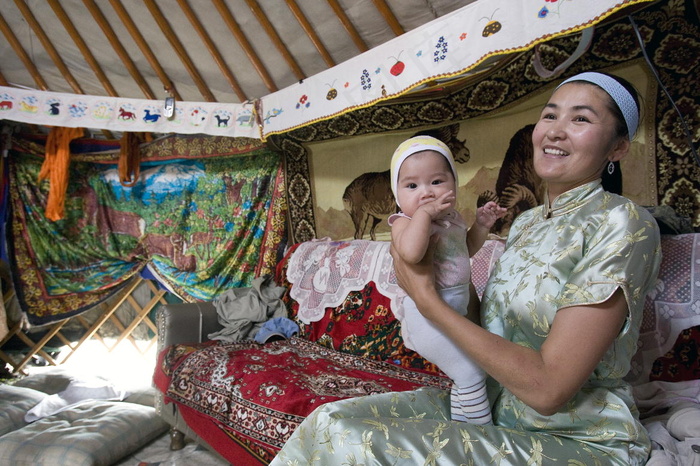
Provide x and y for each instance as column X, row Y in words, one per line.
column 423, row 177
column 575, row 139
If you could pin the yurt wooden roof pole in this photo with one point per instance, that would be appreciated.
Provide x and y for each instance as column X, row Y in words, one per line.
column 169, row 33
column 306, row 26
column 144, row 47
column 51, row 50
column 87, row 54
column 119, row 48
column 17, row 47
column 389, row 16
column 22, row 54
column 48, row 46
column 213, row 50
column 347, row 24
column 245, row 44
column 276, row 40
column 82, row 46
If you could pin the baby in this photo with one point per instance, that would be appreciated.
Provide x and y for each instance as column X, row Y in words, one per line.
column 424, row 182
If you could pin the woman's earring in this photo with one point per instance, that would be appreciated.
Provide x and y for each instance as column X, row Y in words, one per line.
column 611, row 168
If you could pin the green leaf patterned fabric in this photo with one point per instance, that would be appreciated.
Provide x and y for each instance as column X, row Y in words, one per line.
column 200, row 224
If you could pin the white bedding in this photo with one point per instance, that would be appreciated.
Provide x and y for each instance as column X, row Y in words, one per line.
column 671, row 415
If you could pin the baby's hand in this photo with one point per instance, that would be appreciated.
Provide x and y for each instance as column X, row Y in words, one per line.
column 487, row 214
column 439, row 207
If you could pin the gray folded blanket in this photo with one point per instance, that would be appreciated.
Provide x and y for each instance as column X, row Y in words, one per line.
column 243, row 311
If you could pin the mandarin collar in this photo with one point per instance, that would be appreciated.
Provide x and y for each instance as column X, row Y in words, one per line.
column 571, row 200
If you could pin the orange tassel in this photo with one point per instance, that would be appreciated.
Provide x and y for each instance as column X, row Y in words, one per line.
column 55, row 169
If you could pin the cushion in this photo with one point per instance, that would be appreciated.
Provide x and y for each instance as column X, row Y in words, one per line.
column 14, row 404
column 52, row 381
column 482, row 263
column 56, row 379
column 362, row 325
column 78, row 391
column 92, row 433
column 671, row 312
column 145, row 396
column 682, row 362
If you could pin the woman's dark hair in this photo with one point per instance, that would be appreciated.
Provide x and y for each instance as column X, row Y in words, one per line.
column 613, row 182
column 620, row 123
column 621, row 126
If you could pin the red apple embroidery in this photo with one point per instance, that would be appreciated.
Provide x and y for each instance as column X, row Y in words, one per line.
column 398, row 67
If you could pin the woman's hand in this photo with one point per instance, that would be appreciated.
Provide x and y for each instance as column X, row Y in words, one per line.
column 418, row 280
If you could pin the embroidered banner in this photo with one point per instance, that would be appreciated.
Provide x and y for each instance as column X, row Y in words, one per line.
column 449, row 46
column 118, row 114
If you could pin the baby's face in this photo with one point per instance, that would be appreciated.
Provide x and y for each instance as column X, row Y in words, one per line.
column 423, row 177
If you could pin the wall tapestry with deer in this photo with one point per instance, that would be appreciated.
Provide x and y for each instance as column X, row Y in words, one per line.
column 337, row 167
column 493, row 154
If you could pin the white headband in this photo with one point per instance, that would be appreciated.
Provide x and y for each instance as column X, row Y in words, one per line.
column 621, row 96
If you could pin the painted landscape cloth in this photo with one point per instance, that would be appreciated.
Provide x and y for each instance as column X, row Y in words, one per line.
column 207, row 214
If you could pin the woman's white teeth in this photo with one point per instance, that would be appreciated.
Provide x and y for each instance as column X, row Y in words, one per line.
column 552, row 151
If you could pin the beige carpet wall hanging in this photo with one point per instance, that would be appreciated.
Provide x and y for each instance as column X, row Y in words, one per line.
column 350, row 182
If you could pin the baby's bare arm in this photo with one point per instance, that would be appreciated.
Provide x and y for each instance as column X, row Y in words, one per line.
column 412, row 236
column 486, row 216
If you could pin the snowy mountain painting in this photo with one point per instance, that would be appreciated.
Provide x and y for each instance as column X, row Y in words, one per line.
column 156, row 183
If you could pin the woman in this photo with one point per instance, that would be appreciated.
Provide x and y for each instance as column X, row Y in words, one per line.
column 561, row 316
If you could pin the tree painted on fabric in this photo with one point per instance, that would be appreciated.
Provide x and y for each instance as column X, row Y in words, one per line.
column 199, row 224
